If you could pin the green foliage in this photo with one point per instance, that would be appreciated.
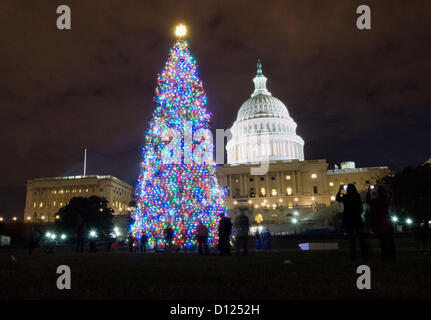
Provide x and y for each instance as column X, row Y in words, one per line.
column 83, row 214
column 411, row 192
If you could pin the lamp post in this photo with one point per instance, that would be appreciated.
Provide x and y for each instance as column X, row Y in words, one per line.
column 295, row 222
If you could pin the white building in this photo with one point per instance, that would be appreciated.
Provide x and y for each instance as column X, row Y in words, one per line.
column 263, row 129
column 293, row 187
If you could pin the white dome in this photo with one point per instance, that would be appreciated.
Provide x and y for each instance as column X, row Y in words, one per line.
column 263, row 130
column 262, row 106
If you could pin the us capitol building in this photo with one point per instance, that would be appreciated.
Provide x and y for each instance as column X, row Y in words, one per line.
column 292, row 189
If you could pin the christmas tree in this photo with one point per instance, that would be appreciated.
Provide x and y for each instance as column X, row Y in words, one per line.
column 177, row 186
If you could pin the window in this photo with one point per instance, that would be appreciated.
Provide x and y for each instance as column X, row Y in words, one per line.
column 290, row 205
column 262, row 191
column 272, row 178
column 41, row 204
column 262, row 179
column 314, row 189
column 289, row 191
column 274, row 192
column 251, row 179
column 34, row 204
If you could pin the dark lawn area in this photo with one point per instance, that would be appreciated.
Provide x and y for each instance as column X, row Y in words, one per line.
column 261, row 275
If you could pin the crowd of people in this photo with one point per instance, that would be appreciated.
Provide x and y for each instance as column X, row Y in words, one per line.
column 377, row 217
column 241, row 227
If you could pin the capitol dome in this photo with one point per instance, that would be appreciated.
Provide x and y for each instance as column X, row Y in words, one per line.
column 263, row 130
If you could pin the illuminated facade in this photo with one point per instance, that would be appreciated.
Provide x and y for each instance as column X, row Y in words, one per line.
column 263, row 129
column 45, row 196
column 292, row 187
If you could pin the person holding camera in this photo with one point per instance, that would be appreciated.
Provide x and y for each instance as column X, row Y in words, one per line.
column 352, row 220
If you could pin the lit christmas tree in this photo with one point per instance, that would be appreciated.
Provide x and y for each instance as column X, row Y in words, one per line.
column 177, row 186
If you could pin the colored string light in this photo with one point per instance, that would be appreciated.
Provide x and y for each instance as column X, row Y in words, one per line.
column 184, row 194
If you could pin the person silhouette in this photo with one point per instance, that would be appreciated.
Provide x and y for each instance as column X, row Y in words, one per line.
column 381, row 222
column 352, row 220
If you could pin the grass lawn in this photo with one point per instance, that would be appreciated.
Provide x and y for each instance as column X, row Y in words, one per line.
column 260, row 275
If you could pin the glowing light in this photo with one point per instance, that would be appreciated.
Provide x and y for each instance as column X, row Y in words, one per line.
column 63, row 236
column 409, row 221
column 235, row 202
column 312, row 198
column 57, row 217
column 280, row 200
column 296, row 199
column 313, row 176
column 43, row 217
column 48, row 234
column 294, row 221
column 296, row 213
column 1, row 219
column 14, row 218
column 28, row 218
column 53, row 236
column 394, row 219
column 180, row 31
column 332, row 198
column 93, row 234
column 331, row 184
column 250, row 202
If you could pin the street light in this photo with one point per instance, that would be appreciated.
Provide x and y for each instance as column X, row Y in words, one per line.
column 296, row 213
column 394, row 219
column 93, row 234
column 295, row 222
column 409, row 221
column 63, row 236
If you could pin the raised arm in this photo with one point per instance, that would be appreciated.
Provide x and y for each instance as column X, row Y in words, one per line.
column 339, row 197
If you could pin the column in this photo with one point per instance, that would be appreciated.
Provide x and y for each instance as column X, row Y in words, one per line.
column 256, row 191
column 279, row 177
column 283, row 187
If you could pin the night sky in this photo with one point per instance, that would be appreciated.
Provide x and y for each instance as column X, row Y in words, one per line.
column 355, row 95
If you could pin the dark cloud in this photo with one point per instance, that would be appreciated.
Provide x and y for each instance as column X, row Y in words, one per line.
column 356, row 95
